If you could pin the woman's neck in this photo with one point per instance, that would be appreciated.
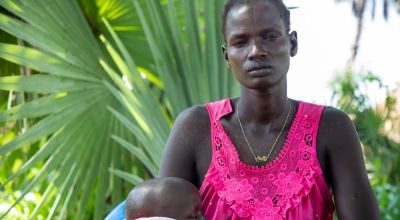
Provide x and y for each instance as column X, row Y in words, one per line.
column 262, row 107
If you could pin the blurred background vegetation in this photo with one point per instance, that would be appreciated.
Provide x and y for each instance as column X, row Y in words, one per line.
column 89, row 90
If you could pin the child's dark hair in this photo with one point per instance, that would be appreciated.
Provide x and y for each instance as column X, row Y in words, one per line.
column 283, row 11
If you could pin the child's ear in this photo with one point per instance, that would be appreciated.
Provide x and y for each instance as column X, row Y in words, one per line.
column 293, row 43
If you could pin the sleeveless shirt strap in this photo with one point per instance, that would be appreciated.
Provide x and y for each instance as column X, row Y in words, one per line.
column 311, row 114
column 318, row 112
column 216, row 110
column 315, row 113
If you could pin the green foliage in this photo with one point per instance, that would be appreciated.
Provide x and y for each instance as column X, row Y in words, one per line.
column 99, row 75
column 373, row 121
column 67, row 137
column 388, row 197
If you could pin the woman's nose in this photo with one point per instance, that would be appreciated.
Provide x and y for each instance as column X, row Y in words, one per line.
column 257, row 51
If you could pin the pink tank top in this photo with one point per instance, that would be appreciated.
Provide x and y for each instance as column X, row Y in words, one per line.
column 291, row 186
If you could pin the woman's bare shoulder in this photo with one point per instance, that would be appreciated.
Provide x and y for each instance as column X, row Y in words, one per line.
column 332, row 116
column 337, row 132
column 335, row 120
column 193, row 119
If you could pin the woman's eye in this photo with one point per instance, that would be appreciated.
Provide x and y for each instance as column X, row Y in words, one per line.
column 238, row 43
column 270, row 37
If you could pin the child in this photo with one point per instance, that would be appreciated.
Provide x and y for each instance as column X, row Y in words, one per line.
column 170, row 197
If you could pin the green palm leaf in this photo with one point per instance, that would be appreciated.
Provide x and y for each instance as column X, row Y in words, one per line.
column 71, row 109
column 104, row 80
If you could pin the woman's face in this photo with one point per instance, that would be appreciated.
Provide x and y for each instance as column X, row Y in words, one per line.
column 258, row 45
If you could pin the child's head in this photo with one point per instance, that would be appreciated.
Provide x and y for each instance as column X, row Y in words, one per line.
column 167, row 197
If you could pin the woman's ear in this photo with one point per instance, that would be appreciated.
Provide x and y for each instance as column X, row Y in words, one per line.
column 293, row 43
column 223, row 47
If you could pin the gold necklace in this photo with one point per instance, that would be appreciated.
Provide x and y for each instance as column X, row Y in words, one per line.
column 262, row 158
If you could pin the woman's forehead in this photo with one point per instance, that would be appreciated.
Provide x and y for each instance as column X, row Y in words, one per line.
column 258, row 14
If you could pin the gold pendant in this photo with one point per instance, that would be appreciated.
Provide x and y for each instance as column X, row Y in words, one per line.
column 261, row 158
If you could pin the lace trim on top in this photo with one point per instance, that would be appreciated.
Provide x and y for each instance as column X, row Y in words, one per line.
column 270, row 190
column 271, row 164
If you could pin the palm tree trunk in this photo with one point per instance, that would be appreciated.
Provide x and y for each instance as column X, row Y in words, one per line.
column 359, row 9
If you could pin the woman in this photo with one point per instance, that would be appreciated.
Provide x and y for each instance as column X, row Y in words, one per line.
column 263, row 155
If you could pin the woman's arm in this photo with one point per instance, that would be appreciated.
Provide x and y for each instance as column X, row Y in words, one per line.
column 179, row 157
column 354, row 198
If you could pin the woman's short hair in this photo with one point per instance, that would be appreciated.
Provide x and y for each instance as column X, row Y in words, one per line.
column 283, row 11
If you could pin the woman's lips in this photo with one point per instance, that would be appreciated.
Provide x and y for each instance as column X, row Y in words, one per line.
column 260, row 71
